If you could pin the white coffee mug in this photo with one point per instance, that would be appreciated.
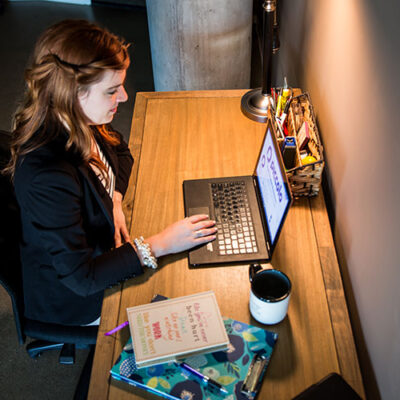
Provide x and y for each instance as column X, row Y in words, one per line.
column 269, row 294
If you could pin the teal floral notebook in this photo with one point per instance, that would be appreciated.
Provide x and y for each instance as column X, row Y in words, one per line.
column 229, row 367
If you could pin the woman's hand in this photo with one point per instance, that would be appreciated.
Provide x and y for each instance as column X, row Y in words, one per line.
column 183, row 235
column 121, row 234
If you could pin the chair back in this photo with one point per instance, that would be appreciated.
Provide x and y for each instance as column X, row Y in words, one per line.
column 10, row 226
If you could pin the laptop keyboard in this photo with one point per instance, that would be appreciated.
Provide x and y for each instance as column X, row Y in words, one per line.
column 233, row 218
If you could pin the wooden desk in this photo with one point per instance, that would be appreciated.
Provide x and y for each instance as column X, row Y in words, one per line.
column 184, row 135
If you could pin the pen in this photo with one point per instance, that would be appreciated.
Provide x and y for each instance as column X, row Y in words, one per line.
column 117, row 328
column 206, row 380
column 157, row 297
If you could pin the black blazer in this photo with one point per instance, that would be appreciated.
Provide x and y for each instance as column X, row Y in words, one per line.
column 68, row 232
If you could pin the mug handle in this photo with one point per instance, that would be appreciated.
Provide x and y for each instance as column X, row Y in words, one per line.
column 253, row 269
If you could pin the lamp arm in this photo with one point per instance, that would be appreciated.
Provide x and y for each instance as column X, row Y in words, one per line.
column 268, row 39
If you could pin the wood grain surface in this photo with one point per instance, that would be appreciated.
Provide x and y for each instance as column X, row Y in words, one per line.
column 188, row 135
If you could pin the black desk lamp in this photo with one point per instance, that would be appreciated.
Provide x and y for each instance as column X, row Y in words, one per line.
column 256, row 102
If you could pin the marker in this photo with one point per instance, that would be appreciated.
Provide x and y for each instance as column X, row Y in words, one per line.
column 283, row 116
column 205, row 379
column 279, row 104
column 117, row 328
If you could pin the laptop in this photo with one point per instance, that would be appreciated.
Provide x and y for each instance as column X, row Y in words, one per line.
column 249, row 210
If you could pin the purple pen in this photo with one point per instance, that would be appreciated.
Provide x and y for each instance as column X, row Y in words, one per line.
column 117, row 328
column 205, row 379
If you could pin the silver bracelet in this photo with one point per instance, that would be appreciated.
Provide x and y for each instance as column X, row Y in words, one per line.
column 145, row 253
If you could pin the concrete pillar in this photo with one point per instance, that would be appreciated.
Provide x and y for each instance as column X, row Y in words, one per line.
column 200, row 44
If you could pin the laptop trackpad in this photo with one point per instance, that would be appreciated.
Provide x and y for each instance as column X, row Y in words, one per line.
column 199, row 210
column 202, row 250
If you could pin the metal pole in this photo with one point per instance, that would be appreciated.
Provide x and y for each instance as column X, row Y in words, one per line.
column 268, row 24
column 256, row 103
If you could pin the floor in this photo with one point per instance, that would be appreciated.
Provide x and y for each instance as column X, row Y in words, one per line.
column 20, row 25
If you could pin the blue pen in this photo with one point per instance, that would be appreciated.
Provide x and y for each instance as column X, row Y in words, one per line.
column 205, row 379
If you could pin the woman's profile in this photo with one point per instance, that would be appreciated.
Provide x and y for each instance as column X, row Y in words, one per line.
column 71, row 170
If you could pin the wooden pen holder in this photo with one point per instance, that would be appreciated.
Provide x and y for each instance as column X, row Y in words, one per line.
column 304, row 179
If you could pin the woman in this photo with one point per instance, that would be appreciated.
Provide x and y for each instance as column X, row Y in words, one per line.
column 70, row 172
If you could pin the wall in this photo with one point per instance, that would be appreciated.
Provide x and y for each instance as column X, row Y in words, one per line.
column 345, row 53
column 195, row 43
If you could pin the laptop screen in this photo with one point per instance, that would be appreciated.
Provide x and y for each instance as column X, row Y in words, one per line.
column 272, row 185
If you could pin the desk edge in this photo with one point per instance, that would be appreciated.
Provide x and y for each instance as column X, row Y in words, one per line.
column 343, row 334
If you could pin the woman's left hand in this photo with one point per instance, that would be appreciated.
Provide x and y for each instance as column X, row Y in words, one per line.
column 121, row 234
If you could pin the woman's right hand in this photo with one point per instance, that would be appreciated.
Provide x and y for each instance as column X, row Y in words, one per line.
column 183, row 235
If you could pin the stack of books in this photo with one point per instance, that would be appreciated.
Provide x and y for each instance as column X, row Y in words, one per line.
column 190, row 331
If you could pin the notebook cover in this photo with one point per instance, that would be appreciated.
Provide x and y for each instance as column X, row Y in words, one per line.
column 228, row 367
column 179, row 327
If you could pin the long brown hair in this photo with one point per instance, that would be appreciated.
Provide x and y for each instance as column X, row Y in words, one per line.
column 68, row 57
